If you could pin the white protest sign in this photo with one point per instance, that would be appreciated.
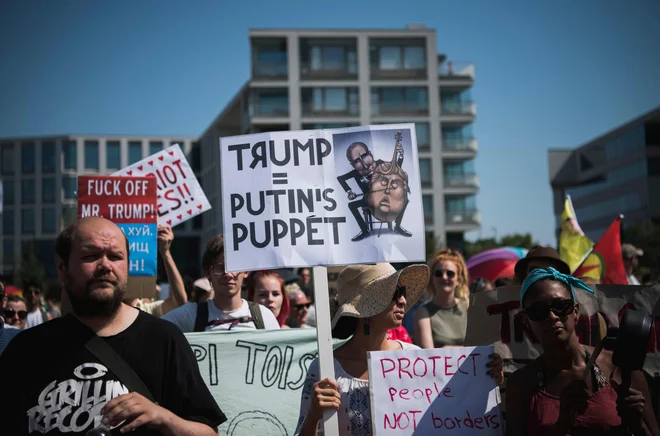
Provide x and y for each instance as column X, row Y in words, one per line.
column 322, row 197
column 434, row 390
column 180, row 197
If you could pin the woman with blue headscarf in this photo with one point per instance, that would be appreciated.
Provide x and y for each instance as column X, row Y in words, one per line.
column 555, row 395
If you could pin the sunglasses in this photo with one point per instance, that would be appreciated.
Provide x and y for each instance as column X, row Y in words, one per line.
column 33, row 291
column 400, row 292
column 540, row 311
column 440, row 273
column 301, row 306
column 10, row 313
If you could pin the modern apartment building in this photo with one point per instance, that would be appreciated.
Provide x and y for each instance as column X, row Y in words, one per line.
column 39, row 190
column 311, row 79
column 618, row 172
column 301, row 79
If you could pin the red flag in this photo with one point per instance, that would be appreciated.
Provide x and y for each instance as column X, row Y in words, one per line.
column 605, row 262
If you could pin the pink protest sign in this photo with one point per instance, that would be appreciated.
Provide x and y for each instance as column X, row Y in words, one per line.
column 433, row 391
column 180, row 197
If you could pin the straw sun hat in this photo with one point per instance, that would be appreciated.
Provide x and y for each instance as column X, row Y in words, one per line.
column 367, row 290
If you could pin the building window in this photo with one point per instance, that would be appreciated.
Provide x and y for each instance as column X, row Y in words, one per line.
column 399, row 57
column 155, row 147
column 69, row 215
column 8, row 192
column 329, row 58
column 196, row 157
column 422, row 133
column 8, row 223
column 414, row 58
column 48, row 190
column 269, row 58
column 27, row 158
column 456, row 101
column 425, row 172
column 48, row 164
column 28, row 194
column 8, row 252
column 330, row 100
column 92, row 155
column 69, row 187
column 7, row 159
column 48, row 224
column 386, row 100
column 70, row 155
column 134, row 152
column 112, row 155
column 270, row 102
column 427, row 204
column 27, row 222
column 461, row 204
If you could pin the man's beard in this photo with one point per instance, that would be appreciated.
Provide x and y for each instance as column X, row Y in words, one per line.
column 84, row 301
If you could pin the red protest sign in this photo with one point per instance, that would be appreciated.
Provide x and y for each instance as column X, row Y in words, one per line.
column 119, row 199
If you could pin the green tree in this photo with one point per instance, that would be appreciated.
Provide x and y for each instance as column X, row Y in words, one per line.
column 645, row 236
column 30, row 270
column 516, row 240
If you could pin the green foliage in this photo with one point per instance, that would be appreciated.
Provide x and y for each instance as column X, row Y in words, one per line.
column 30, row 270
column 515, row 240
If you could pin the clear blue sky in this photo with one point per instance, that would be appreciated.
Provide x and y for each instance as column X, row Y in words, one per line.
column 550, row 73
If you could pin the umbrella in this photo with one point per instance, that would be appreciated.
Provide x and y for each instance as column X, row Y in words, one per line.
column 495, row 263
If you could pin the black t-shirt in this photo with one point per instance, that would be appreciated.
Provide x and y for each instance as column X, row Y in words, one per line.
column 52, row 385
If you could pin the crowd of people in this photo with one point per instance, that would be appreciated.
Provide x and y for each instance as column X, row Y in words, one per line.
column 136, row 349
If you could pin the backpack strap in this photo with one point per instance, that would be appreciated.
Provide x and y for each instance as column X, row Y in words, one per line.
column 119, row 367
column 255, row 313
column 202, row 318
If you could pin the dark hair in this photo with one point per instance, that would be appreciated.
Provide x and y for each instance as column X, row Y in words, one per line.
column 32, row 284
column 536, row 287
column 479, row 284
column 215, row 248
column 15, row 299
column 352, row 146
column 345, row 327
column 65, row 239
column 503, row 281
column 251, row 285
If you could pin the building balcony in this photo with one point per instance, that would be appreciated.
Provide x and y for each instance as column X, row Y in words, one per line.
column 456, row 74
column 402, row 108
column 266, row 110
column 463, row 220
column 459, row 148
column 312, row 110
column 270, row 70
column 461, row 183
column 310, row 71
column 398, row 73
column 459, row 112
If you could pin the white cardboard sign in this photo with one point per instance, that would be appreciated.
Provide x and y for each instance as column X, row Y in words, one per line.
column 433, row 391
column 180, row 197
column 322, row 197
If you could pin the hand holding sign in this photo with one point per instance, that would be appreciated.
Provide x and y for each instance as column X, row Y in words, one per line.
column 165, row 238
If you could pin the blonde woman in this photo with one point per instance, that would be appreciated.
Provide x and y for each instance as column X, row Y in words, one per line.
column 443, row 320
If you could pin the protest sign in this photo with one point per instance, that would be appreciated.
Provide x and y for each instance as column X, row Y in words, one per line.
column 496, row 318
column 180, row 197
column 424, row 392
column 256, row 377
column 129, row 202
column 322, row 197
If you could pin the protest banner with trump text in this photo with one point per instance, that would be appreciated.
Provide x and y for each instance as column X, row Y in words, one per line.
column 322, row 197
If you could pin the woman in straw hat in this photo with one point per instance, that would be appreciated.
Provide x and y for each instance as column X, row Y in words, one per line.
column 372, row 300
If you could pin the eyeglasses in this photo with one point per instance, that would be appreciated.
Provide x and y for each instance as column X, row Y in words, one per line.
column 540, row 311
column 440, row 273
column 10, row 313
column 301, row 306
column 219, row 270
column 33, row 291
column 399, row 292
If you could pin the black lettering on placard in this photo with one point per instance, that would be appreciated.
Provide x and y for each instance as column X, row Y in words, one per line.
column 263, row 155
column 276, row 230
column 276, row 368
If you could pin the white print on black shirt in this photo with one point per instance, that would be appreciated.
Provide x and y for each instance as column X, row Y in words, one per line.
column 74, row 405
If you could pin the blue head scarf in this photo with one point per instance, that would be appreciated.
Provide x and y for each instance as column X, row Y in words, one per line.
column 551, row 273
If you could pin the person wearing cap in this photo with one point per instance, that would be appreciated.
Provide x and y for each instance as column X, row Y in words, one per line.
column 539, row 257
column 372, row 300
column 560, row 393
column 203, row 290
column 630, row 254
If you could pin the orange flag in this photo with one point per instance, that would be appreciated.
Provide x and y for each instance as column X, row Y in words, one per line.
column 605, row 262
